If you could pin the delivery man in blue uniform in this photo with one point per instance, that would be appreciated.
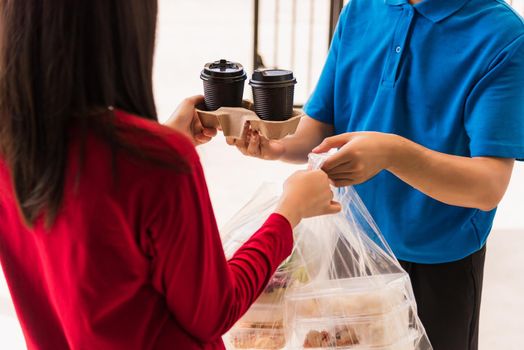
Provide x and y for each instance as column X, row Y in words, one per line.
column 426, row 102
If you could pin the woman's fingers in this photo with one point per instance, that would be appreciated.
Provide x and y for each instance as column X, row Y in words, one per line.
column 193, row 100
column 196, row 125
column 201, row 135
column 201, row 139
column 333, row 208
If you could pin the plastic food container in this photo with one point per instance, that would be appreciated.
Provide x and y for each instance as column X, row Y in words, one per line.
column 264, row 314
column 359, row 296
column 407, row 343
column 257, row 338
column 276, row 288
column 348, row 332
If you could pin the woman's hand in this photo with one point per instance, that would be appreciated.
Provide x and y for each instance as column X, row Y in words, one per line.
column 361, row 156
column 306, row 194
column 185, row 120
column 252, row 144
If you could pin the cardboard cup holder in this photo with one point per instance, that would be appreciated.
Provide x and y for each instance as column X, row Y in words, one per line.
column 233, row 120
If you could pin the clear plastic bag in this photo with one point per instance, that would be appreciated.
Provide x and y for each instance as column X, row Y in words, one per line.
column 341, row 288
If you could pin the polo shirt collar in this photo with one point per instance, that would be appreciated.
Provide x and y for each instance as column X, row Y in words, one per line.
column 396, row 2
column 434, row 10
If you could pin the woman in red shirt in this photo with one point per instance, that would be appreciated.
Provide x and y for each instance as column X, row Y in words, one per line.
column 107, row 234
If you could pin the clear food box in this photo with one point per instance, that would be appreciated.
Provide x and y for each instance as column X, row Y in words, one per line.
column 370, row 295
column 257, row 338
column 352, row 332
column 263, row 314
column 407, row 343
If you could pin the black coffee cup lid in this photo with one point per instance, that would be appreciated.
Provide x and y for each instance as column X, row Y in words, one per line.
column 223, row 69
column 268, row 77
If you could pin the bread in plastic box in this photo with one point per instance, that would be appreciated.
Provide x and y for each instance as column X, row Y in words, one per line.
column 344, row 332
column 370, row 310
column 405, row 343
column 266, row 314
column 257, row 338
column 369, row 295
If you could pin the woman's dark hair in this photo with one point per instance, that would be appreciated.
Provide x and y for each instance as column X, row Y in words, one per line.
column 61, row 61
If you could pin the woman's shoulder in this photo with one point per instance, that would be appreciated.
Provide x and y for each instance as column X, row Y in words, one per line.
column 156, row 140
column 135, row 150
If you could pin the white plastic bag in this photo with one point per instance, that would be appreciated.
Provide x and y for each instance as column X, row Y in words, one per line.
column 341, row 288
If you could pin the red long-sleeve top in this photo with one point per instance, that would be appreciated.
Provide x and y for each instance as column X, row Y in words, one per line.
column 132, row 262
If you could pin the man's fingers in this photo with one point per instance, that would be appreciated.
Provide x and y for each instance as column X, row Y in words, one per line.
column 349, row 176
column 230, row 140
column 245, row 133
column 341, row 176
column 345, row 169
column 241, row 145
column 343, row 180
column 334, row 161
column 343, row 183
column 242, row 142
column 253, row 148
column 332, row 142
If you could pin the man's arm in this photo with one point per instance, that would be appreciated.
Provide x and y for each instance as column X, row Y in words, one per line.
column 292, row 149
column 478, row 182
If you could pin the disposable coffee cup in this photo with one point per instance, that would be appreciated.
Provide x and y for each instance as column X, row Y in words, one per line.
column 223, row 84
column 273, row 93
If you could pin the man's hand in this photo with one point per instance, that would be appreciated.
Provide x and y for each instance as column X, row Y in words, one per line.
column 252, row 144
column 362, row 155
column 472, row 182
column 185, row 120
column 292, row 148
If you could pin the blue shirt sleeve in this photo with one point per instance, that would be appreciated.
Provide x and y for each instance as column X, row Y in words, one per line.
column 320, row 105
column 494, row 110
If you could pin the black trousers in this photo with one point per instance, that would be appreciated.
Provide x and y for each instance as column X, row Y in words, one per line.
column 448, row 298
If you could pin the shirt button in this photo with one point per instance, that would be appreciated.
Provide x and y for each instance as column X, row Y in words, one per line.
column 397, row 49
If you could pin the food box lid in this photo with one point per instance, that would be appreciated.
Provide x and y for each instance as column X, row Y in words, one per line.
column 346, row 286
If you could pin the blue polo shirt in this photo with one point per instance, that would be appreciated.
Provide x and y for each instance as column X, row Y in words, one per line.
column 447, row 74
